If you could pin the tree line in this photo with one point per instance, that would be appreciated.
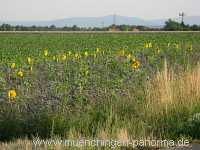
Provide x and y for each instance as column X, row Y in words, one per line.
column 7, row 27
column 170, row 25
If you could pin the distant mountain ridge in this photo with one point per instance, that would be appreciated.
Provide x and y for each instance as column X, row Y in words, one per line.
column 102, row 21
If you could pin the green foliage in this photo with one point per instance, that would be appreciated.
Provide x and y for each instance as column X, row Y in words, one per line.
column 173, row 25
column 99, row 92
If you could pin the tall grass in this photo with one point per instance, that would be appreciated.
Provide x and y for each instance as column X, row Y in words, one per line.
column 173, row 100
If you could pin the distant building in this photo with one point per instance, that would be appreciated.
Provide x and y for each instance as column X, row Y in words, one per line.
column 114, row 29
column 135, row 30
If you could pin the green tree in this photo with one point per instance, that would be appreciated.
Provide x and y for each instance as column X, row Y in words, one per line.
column 173, row 25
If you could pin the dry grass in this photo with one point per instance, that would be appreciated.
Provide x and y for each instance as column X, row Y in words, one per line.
column 168, row 89
column 17, row 145
column 122, row 135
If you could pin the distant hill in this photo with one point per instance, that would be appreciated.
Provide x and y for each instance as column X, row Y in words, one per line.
column 102, row 21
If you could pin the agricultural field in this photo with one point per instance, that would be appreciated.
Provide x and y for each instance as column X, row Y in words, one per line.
column 107, row 86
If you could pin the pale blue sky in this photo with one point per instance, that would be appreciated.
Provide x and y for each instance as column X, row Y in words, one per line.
column 58, row 9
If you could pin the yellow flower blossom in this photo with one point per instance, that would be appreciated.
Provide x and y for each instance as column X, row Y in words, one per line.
column 98, row 50
column 64, row 57
column 46, row 52
column 86, row 54
column 135, row 64
column 20, row 74
column 77, row 56
column 13, row 66
column 148, row 45
column 129, row 56
column 12, row 94
column 31, row 68
column 29, row 60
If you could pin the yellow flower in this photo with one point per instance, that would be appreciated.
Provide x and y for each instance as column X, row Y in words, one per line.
column 12, row 94
column 150, row 45
column 31, row 68
column 129, row 56
column 146, row 45
column 64, row 57
column 46, row 52
column 13, row 65
column 86, row 54
column 135, row 64
column 98, row 50
column 29, row 60
column 20, row 74
column 77, row 56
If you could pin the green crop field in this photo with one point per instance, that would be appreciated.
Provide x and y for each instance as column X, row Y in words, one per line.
column 100, row 85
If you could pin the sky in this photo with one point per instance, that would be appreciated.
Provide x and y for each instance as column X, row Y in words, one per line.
column 32, row 10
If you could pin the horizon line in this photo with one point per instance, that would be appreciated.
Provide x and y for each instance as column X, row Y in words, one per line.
column 96, row 17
